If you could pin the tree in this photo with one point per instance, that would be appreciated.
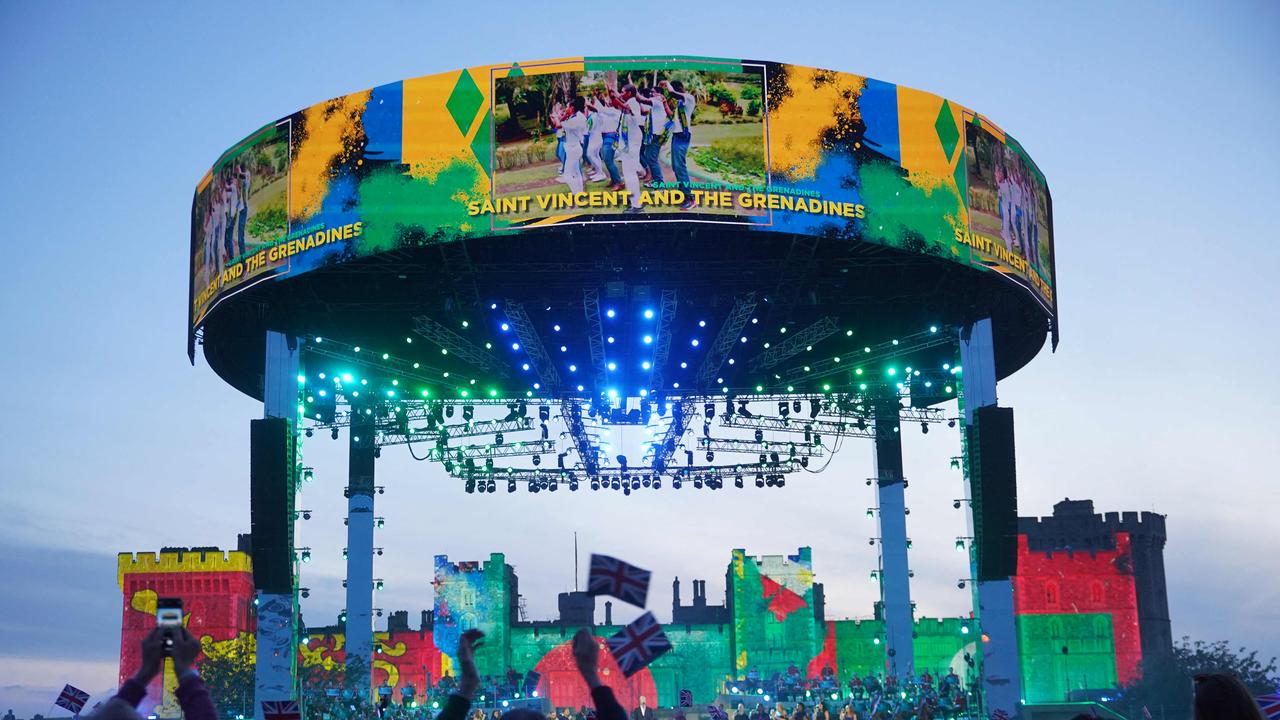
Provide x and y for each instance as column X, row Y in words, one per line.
column 228, row 672
column 1165, row 688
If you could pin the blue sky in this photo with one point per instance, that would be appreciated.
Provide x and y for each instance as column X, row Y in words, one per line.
column 1154, row 123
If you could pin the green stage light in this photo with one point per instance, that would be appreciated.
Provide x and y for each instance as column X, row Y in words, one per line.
column 395, row 382
column 759, row 388
column 385, row 356
column 892, row 371
column 425, row 393
column 947, row 388
column 493, row 393
column 356, row 348
column 302, row 379
column 409, row 340
column 466, row 324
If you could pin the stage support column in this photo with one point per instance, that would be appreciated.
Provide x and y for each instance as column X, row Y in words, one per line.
column 895, row 584
column 275, row 655
column 999, row 669
column 360, row 491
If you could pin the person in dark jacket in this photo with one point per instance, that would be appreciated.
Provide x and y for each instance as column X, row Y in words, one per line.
column 586, row 655
column 192, row 696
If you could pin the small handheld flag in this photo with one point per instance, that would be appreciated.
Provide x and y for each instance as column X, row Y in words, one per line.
column 611, row 576
column 72, row 698
column 281, row 710
column 638, row 644
column 1270, row 706
column 686, row 699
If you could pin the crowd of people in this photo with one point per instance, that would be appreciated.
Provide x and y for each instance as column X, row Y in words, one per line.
column 631, row 124
column 1218, row 696
column 797, row 697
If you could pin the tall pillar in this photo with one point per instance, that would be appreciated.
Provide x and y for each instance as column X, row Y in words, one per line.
column 275, row 655
column 360, row 491
column 895, row 585
column 999, row 668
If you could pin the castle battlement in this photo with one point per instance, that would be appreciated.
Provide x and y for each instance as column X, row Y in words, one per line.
column 803, row 556
column 182, row 560
column 496, row 561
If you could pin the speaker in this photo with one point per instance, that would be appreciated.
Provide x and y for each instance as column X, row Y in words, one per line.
column 271, row 492
column 994, row 484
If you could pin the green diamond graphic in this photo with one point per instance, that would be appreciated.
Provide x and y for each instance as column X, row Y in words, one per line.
column 464, row 101
column 962, row 179
column 481, row 145
column 948, row 134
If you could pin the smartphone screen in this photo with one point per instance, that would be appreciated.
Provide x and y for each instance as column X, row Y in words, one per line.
column 169, row 612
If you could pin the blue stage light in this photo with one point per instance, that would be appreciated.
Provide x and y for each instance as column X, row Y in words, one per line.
column 613, row 366
column 694, row 342
column 556, row 328
column 702, row 323
column 648, row 314
column 610, row 312
column 646, row 365
column 515, row 346
column 648, row 339
column 505, row 327
column 573, row 368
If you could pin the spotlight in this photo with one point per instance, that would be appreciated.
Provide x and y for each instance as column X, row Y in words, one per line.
column 537, row 460
column 709, row 410
column 951, row 423
column 960, row 584
column 309, row 432
column 795, row 406
column 737, row 481
column 688, row 457
column 759, row 480
column 711, row 456
column 815, row 407
column 468, row 412
column 742, row 409
column 544, row 412
column 956, row 504
column 470, row 486
column 595, row 484
column 511, row 486
column 675, row 483
column 924, row 428
column 759, row 435
column 334, row 434
column 784, row 408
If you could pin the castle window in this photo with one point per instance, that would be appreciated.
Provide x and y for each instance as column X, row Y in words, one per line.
column 1097, row 594
column 1051, row 594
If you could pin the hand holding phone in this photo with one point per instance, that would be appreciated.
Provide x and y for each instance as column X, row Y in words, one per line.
column 168, row 619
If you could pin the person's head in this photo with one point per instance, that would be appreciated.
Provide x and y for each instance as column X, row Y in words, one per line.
column 742, row 707
column 643, row 701
column 523, row 714
column 677, row 86
column 628, row 91
column 1221, row 696
column 579, row 103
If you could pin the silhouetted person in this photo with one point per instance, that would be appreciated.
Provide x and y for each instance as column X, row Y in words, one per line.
column 192, row 696
column 1221, row 696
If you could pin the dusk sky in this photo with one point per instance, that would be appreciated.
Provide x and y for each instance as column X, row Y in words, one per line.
column 1154, row 124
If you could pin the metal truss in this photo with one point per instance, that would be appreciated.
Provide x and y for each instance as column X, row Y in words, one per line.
column 662, row 339
column 634, row 478
column 458, row 345
column 864, row 429
column 588, row 452
column 457, row 262
column 796, row 344
column 595, row 335
column 726, row 339
column 392, row 436
column 516, row 449
column 367, row 358
column 858, row 356
column 752, row 447
column 532, row 342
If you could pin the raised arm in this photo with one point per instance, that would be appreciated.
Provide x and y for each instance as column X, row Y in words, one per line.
column 587, row 656
column 456, row 707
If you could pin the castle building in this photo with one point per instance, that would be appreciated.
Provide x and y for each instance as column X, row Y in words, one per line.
column 1090, row 599
column 216, row 589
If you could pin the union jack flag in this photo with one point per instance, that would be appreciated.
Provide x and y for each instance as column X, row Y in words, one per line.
column 281, row 710
column 72, row 698
column 686, row 698
column 638, row 644
column 1270, row 705
column 716, row 713
column 611, row 576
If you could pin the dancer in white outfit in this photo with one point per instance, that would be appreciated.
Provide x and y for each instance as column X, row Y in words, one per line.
column 632, row 137
column 575, row 132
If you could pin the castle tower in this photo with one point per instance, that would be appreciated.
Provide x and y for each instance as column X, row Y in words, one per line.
column 216, row 589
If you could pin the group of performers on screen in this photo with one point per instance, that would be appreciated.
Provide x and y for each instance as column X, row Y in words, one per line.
column 630, row 124
column 1017, row 194
column 226, row 212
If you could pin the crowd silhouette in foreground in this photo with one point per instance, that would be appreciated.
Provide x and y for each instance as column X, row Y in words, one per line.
column 1218, row 696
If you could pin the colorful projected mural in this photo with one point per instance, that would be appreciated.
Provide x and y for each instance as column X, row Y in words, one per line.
column 497, row 149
